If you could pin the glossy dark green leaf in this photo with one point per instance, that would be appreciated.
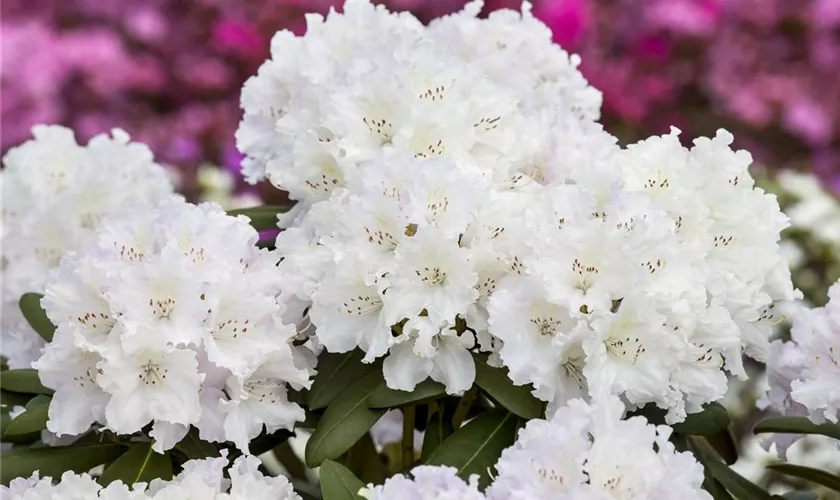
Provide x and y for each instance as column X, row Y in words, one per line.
column 9, row 400
column 291, row 462
column 797, row 425
column 475, row 448
column 33, row 419
column 438, row 430
column 336, row 372
column 196, row 448
column 27, row 438
column 345, row 421
column 338, row 483
column 516, row 398
column 740, row 487
column 827, row 479
column 23, row 380
column 54, row 461
column 262, row 217
column 267, row 442
column 724, row 444
column 139, row 464
column 383, row 397
column 364, row 461
column 800, row 495
column 30, row 306
column 713, row 419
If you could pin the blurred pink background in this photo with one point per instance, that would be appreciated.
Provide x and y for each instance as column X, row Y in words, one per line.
column 169, row 71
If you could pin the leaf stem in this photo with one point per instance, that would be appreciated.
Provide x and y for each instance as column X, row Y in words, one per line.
column 464, row 407
column 409, row 414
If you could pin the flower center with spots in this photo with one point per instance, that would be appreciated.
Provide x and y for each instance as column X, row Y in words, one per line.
column 361, row 305
column 264, row 390
column 431, row 275
column 231, row 329
column 152, row 374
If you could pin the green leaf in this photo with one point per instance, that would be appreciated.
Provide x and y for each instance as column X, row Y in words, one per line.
column 30, row 306
column 138, row 464
column 827, row 479
column 740, row 487
column 23, row 380
column 34, row 419
column 28, row 438
column 262, row 217
column 797, row 425
column 55, row 461
column 713, row 419
column 338, row 483
column 725, row 445
column 437, row 430
column 267, row 442
column 196, row 448
column 800, row 495
column 346, row 420
column 516, row 398
column 10, row 399
column 384, row 397
column 363, row 460
column 336, row 372
column 290, row 461
column 475, row 448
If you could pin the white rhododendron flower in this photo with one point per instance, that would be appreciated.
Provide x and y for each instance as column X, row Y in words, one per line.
column 172, row 318
column 426, row 483
column 588, row 452
column 55, row 193
column 202, row 479
column 805, row 373
column 472, row 204
column 367, row 81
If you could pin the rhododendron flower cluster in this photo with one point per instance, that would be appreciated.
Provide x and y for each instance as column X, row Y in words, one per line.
column 456, row 195
column 805, row 372
column 202, row 479
column 588, row 452
column 171, row 319
column 55, row 193
column 427, row 483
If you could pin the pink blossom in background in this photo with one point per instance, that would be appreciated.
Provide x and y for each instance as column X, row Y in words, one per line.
column 169, row 72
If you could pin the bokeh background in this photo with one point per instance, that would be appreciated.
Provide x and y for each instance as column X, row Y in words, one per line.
column 169, row 72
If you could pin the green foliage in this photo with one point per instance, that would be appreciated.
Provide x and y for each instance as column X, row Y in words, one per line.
column 336, row 372
column 475, row 448
column 831, row 481
column 55, row 461
column 338, row 483
column 30, row 306
column 24, row 380
column 383, row 397
column 797, row 425
column 516, row 398
column 33, row 419
column 194, row 447
column 346, row 420
column 139, row 464
column 262, row 217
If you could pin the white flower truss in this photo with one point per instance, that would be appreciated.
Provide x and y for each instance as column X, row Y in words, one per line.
column 202, row 479
column 585, row 268
column 171, row 319
column 588, row 453
column 805, row 373
column 426, row 483
column 55, row 192
column 486, row 93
